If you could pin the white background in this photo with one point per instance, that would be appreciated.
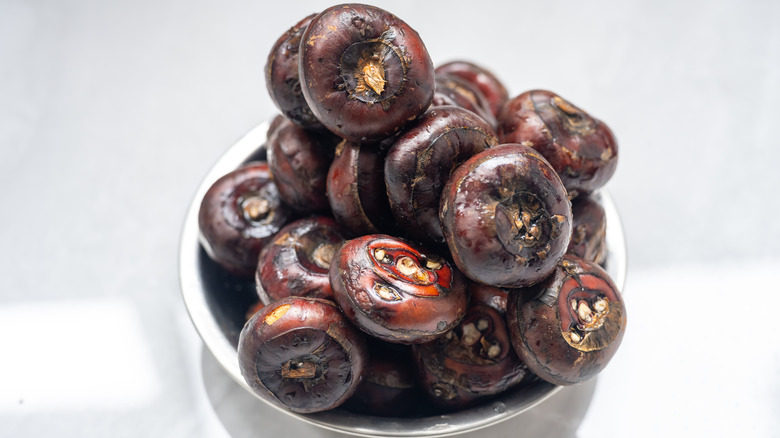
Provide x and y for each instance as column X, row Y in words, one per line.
column 112, row 112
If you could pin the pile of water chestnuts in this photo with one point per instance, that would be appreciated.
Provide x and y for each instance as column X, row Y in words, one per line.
column 420, row 241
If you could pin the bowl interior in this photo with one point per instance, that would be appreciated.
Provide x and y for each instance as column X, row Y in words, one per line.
column 218, row 302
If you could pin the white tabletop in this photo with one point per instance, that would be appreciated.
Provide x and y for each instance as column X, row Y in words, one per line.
column 112, row 112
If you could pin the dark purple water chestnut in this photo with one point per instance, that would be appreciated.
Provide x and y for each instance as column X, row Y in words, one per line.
column 299, row 160
column 475, row 359
column 465, row 95
column 302, row 354
column 569, row 326
column 580, row 148
column 282, row 80
column 261, row 152
column 356, row 189
column 297, row 261
column 396, row 292
column 364, row 72
column 420, row 161
column 389, row 387
column 238, row 215
column 441, row 99
column 506, row 217
column 589, row 230
column 483, row 79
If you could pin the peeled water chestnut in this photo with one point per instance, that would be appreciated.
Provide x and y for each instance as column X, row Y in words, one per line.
column 397, row 292
column 581, row 148
column 506, row 217
column 568, row 327
column 299, row 160
column 302, row 354
column 423, row 157
column 364, row 72
column 297, row 261
column 239, row 215
column 475, row 359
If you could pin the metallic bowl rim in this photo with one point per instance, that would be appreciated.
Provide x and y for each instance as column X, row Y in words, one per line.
column 468, row 420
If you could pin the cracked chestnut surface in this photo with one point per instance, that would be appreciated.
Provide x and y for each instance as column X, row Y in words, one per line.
column 506, row 217
column 581, row 148
column 397, row 292
column 302, row 354
column 568, row 327
column 365, row 73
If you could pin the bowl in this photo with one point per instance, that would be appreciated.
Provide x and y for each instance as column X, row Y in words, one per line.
column 217, row 304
